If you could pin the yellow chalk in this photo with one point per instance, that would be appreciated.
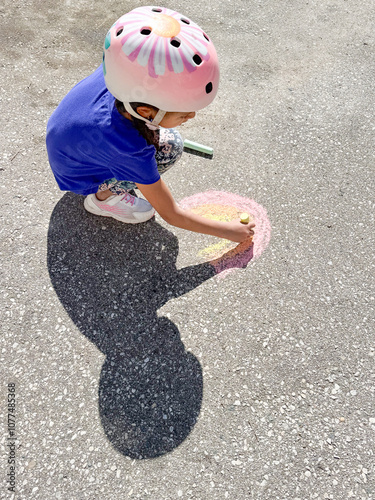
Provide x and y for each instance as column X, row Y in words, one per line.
column 245, row 218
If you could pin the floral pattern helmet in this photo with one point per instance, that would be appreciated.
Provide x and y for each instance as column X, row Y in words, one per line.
column 157, row 56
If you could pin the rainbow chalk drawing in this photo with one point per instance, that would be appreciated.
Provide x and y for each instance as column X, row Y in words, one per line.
column 225, row 256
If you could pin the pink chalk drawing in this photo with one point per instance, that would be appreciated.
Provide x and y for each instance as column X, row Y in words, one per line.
column 225, row 256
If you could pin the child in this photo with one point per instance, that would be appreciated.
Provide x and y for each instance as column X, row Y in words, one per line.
column 114, row 131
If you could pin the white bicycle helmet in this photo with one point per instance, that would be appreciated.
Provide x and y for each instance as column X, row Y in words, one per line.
column 159, row 57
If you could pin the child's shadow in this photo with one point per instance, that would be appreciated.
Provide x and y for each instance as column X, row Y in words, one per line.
column 112, row 278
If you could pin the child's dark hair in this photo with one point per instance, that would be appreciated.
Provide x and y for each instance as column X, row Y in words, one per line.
column 151, row 136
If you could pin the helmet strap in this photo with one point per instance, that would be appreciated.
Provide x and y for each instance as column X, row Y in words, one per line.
column 152, row 124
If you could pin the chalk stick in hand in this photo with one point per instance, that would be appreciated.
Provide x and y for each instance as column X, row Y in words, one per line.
column 245, row 218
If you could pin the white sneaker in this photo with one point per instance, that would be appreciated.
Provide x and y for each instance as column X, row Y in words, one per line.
column 126, row 208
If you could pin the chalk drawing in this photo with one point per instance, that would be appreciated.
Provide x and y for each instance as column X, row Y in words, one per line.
column 225, row 255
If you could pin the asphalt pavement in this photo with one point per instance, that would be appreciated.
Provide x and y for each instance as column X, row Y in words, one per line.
column 131, row 366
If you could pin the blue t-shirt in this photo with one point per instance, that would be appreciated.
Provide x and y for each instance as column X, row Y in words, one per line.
column 89, row 141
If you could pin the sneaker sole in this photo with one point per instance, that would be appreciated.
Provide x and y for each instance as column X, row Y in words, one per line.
column 93, row 209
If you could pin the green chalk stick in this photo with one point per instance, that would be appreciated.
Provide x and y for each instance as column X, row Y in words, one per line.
column 198, row 147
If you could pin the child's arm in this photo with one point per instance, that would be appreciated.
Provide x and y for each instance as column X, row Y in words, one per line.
column 162, row 200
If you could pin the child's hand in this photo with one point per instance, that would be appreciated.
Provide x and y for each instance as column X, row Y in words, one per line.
column 239, row 232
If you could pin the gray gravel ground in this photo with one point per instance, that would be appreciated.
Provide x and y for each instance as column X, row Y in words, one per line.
column 140, row 375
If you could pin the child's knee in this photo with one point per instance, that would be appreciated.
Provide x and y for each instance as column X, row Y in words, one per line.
column 171, row 147
column 178, row 146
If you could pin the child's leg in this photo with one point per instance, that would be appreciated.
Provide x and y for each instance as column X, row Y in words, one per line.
column 171, row 148
column 113, row 186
